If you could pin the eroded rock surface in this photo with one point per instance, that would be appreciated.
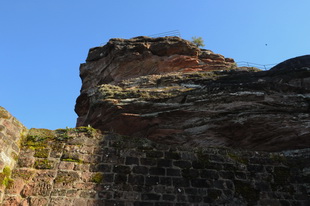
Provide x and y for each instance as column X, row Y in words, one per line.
column 131, row 88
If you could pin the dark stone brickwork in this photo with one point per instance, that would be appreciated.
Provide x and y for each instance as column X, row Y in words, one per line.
column 80, row 168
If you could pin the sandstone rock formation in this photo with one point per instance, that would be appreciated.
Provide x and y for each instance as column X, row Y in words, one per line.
column 170, row 91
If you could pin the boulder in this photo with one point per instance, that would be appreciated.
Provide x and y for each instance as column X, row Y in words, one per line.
column 196, row 98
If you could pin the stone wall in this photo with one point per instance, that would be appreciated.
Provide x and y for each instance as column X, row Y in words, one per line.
column 11, row 131
column 83, row 167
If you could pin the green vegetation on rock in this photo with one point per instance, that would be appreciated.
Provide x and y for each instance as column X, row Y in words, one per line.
column 3, row 113
column 97, row 178
column 72, row 160
column 5, row 177
column 198, row 41
column 41, row 152
column 43, row 164
column 24, row 174
column 237, row 158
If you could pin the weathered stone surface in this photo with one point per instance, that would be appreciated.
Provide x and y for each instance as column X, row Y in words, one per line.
column 11, row 133
column 122, row 59
column 226, row 106
column 82, row 166
column 147, row 173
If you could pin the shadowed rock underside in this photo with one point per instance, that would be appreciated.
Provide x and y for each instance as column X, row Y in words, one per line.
column 130, row 87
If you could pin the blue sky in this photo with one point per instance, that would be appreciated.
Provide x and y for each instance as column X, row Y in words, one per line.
column 42, row 42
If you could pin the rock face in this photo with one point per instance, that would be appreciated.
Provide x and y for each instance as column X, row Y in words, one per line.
column 170, row 91
column 122, row 59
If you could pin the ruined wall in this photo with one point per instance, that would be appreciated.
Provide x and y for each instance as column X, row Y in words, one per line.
column 83, row 167
column 11, row 131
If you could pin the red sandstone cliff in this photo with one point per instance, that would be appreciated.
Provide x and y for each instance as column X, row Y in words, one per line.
column 168, row 90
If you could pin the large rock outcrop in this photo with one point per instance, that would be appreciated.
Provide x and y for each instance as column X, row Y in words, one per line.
column 170, row 91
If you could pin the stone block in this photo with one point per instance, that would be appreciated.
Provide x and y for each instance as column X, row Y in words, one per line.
column 190, row 173
column 140, row 170
column 16, row 186
column 38, row 201
column 63, row 201
column 78, row 185
column 66, row 179
column 165, row 181
column 150, row 196
column 169, row 197
column 37, row 189
column 122, row 169
column 25, row 161
column 113, row 203
column 95, row 202
column 25, row 174
column 141, row 188
column 172, row 155
column 44, row 164
column 132, row 161
column 198, row 165
column 66, row 165
column 209, row 174
column 180, row 182
column 88, row 193
column 120, row 178
column 108, row 178
column 157, row 171
column 148, row 162
column 136, row 179
column 154, row 154
column 182, row 164
column 200, row 183
column 72, row 193
column 151, row 180
column 227, row 174
column 164, row 163
column 173, row 172
column 80, row 201
column 131, row 196
column 103, row 168
column 194, row 199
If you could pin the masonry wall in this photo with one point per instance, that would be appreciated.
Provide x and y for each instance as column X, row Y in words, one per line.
column 11, row 131
column 82, row 167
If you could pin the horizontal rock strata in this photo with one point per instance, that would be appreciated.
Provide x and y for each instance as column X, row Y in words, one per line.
column 224, row 106
column 215, row 105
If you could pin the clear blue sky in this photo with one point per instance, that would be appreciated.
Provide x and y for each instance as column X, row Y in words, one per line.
column 42, row 42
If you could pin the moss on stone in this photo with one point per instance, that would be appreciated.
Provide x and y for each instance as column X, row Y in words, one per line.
column 41, row 152
column 237, row 158
column 62, row 134
column 66, row 177
column 5, row 177
column 4, row 114
column 43, row 164
column 38, row 138
column 90, row 131
column 68, row 133
column 41, row 134
column 26, row 175
column 73, row 160
column 97, row 178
